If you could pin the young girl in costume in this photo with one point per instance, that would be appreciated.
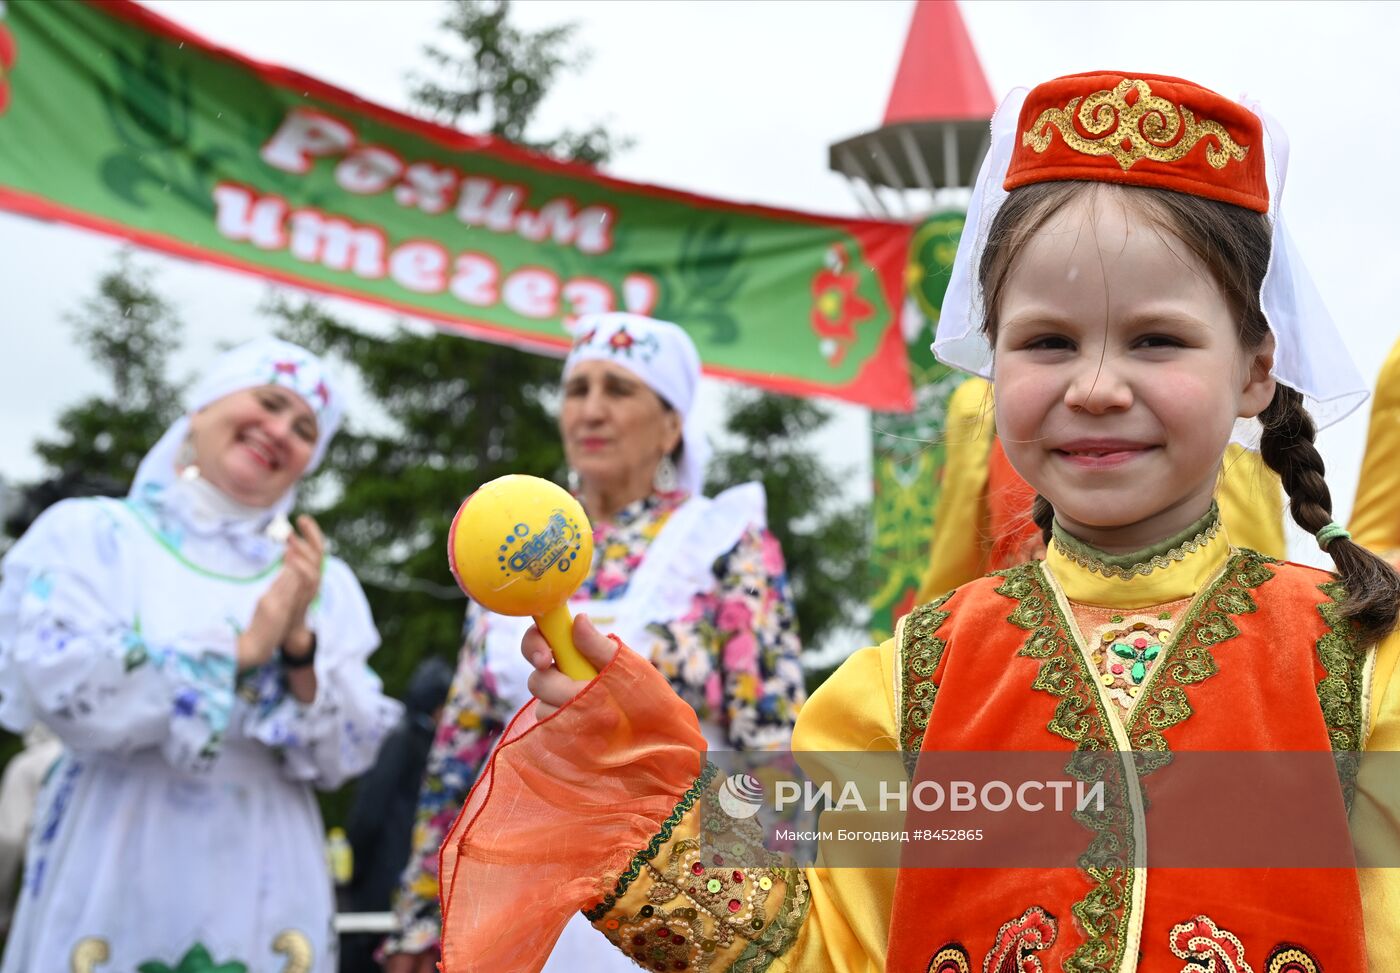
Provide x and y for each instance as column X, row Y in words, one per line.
column 1127, row 282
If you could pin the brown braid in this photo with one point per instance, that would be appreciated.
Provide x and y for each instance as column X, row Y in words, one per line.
column 1044, row 516
column 1373, row 588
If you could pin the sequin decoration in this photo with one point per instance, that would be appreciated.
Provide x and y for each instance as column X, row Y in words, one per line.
column 1207, row 948
column 1149, row 127
column 1126, row 649
column 1290, row 958
column 952, row 958
column 1019, row 940
column 699, row 908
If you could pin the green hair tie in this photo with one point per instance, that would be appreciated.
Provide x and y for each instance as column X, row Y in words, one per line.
column 1330, row 533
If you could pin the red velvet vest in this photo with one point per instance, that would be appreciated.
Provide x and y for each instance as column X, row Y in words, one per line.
column 1262, row 663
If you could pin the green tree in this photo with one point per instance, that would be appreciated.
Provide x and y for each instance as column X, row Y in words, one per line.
column 130, row 332
column 825, row 541
column 457, row 413
column 493, row 76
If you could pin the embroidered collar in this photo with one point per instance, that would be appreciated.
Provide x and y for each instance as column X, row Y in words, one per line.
column 1173, row 569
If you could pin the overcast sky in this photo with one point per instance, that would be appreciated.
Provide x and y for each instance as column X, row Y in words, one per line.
column 740, row 100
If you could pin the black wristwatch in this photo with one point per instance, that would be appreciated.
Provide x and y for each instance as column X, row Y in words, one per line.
column 290, row 661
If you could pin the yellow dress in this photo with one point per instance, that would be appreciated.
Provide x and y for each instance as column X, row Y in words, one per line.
column 1375, row 517
column 837, row 919
column 1251, row 500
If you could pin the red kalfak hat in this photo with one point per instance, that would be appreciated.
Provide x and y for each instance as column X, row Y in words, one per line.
column 1141, row 130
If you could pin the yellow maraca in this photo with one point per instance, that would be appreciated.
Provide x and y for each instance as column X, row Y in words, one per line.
column 521, row 546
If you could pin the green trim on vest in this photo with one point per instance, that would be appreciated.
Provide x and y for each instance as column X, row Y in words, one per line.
column 1145, row 561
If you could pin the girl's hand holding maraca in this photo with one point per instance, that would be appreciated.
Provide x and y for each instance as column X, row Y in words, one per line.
column 550, row 686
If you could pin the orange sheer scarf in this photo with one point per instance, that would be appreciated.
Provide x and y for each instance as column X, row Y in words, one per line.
column 560, row 810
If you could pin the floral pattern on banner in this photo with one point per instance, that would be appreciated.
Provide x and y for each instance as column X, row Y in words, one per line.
column 734, row 656
column 836, row 307
column 7, row 60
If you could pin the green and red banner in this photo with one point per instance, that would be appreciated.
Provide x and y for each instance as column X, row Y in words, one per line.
column 909, row 450
column 114, row 119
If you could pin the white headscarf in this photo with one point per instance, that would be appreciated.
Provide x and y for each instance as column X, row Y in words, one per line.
column 262, row 361
column 662, row 355
column 1310, row 355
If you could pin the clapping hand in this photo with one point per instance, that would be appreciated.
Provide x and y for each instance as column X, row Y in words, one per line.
column 280, row 616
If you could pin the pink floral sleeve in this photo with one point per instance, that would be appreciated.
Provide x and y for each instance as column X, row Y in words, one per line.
column 736, row 655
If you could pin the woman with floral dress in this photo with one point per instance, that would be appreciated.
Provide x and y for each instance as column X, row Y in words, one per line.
column 699, row 583
column 204, row 664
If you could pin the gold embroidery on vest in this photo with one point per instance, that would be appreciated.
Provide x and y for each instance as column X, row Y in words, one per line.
column 1188, row 659
column 1151, row 128
column 1080, row 718
column 920, row 652
column 1340, row 692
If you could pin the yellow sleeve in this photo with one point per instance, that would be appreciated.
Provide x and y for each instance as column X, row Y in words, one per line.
column 787, row 920
column 1375, row 517
column 1251, row 502
column 959, row 551
column 848, row 925
column 1375, row 816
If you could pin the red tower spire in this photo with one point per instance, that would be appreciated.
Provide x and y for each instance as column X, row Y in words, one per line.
column 939, row 78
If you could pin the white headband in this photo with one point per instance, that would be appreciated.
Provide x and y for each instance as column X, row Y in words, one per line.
column 262, row 361
column 662, row 355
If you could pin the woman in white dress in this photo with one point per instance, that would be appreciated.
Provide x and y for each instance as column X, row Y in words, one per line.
column 697, row 582
column 205, row 666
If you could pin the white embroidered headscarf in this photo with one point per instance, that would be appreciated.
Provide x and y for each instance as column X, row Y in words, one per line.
column 662, row 355
column 1310, row 355
column 262, row 361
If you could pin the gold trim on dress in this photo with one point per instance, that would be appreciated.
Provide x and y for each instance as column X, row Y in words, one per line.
column 1096, row 565
column 1149, row 128
column 294, row 945
column 88, row 954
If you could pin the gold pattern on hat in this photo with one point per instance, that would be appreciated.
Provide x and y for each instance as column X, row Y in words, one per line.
column 1150, row 128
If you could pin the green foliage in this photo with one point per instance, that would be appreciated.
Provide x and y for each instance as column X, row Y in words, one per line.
column 825, row 543
column 130, row 333
column 195, row 960
column 502, row 73
column 459, row 413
